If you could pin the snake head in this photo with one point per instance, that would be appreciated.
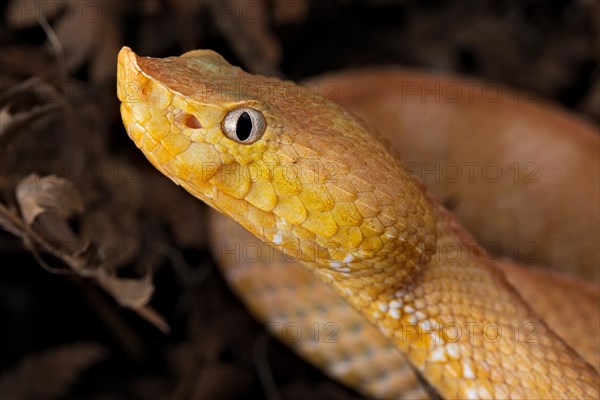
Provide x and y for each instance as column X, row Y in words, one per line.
column 293, row 168
column 177, row 109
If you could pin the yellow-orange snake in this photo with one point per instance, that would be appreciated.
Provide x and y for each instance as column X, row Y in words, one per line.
column 306, row 176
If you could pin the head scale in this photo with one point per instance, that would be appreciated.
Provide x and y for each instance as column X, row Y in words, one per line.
column 293, row 168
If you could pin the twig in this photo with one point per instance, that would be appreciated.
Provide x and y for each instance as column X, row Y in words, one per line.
column 31, row 237
column 56, row 45
column 27, row 233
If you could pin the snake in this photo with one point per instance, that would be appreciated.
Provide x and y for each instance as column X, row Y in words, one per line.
column 418, row 307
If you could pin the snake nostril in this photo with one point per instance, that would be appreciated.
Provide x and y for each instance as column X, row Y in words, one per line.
column 191, row 121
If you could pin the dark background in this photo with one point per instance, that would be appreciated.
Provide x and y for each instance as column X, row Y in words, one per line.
column 61, row 336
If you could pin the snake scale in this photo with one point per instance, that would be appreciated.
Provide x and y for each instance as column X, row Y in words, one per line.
column 307, row 177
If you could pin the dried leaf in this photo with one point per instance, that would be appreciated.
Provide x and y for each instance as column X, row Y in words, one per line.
column 116, row 231
column 49, row 374
column 6, row 118
column 47, row 202
column 37, row 195
column 132, row 293
column 7, row 221
column 152, row 316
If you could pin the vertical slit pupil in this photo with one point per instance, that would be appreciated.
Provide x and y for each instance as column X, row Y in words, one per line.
column 243, row 128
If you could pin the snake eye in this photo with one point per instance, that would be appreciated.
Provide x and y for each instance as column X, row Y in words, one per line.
column 244, row 125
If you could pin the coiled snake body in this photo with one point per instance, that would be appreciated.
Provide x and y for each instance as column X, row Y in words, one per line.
column 310, row 179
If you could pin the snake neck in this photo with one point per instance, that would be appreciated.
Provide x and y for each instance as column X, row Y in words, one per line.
column 465, row 328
